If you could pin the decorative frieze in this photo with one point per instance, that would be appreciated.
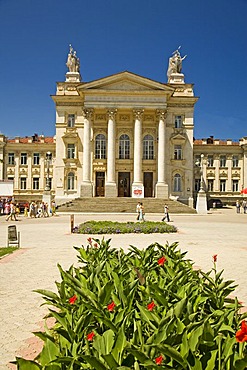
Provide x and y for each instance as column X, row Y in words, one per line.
column 100, row 117
column 124, row 117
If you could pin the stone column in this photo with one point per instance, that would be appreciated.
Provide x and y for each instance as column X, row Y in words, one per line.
column 161, row 186
column 111, row 186
column 137, row 185
column 29, row 171
column 86, row 186
column 17, row 170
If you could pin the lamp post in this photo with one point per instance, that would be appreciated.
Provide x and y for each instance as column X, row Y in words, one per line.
column 48, row 162
column 47, row 190
column 201, row 202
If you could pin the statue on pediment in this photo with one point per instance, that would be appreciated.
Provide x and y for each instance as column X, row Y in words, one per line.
column 73, row 62
column 175, row 63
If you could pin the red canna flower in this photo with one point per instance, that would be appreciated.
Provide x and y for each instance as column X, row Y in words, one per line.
column 161, row 261
column 90, row 336
column 90, row 240
column 215, row 257
column 159, row 360
column 151, row 306
column 73, row 299
column 241, row 335
column 111, row 306
column 95, row 245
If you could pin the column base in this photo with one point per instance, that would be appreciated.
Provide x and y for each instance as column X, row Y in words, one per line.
column 137, row 190
column 201, row 202
column 110, row 190
column 161, row 190
column 86, row 190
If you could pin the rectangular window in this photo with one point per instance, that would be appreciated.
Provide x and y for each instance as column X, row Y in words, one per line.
column 222, row 161
column 177, row 152
column 35, row 183
column 210, row 161
column 36, row 158
column 23, row 158
column 71, row 120
column 23, row 182
column 235, row 161
column 197, row 184
column 210, row 185
column 178, row 122
column 223, row 185
column 11, row 158
column 197, row 160
column 235, row 185
column 71, row 151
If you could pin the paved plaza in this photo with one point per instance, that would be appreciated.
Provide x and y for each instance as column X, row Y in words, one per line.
column 46, row 242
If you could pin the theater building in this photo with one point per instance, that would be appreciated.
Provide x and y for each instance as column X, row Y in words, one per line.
column 123, row 135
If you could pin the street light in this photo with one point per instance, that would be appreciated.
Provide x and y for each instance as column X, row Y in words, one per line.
column 48, row 162
column 201, row 202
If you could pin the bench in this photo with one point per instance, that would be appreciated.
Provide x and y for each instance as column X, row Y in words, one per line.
column 13, row 236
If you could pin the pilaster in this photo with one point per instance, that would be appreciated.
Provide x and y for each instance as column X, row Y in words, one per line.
column 137, row 185
column 161, row 186
column 86, row 186
column 111, row 186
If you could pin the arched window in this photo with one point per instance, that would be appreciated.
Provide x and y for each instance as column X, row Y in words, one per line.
column 71, row 181
column 124, row 147
column 100, row 146
column 148, row 147
column 177, row 183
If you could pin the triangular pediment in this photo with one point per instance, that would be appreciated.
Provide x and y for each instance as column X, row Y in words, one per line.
column 124, row 82
column 178, row 138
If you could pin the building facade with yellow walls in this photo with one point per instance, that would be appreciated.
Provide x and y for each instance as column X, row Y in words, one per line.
column 123, row 135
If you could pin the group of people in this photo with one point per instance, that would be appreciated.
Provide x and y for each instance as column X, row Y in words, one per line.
column 140, row 212
column 11, row 209
column 243, row 205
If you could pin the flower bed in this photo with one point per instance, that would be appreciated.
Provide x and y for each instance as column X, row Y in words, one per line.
column 145, row 309
column 109, row 227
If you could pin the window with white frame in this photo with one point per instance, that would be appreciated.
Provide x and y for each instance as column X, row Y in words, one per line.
column 35, row 183
column 23, row 158
column 210, row 161
column 210, row 185
column 223, row 161
column 178, row 121
column 222, row 185
column 100, row 146
column 177, row 152
column 23, row 183
column 235, row 186
column 148, row 147
column 235, row 161
column 124, row 147
column 177, row 183
column 71, row 120
column 71, row 181
column 36, row 158
column 71, row 151
column 11, row 158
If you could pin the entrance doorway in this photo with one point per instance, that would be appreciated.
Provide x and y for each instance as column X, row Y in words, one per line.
column 123, row 184
column 100, row 184
column 148, row 184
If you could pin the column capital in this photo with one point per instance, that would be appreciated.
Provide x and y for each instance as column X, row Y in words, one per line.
column 161, row 114
column 111, row 113
column 138, row 113
column 87, row 112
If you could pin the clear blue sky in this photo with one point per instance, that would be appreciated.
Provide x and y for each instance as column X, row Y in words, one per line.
column 111, row 36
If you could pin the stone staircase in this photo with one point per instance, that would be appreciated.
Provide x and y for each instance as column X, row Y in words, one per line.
column 118, row 205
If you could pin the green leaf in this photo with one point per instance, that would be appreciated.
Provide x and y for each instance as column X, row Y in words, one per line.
column 94, row 362
column 211, row 362
column 47, row 293
column 168, row 350
column 48, row 353
column 108, row 337
column 146, row 315
column 178, row 309
column 105, row 293
column 120, row 344
column 194, row 337
column 26, row 364
column 110, row 361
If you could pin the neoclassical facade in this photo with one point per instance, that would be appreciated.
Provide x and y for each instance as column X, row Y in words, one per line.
column 123, row 135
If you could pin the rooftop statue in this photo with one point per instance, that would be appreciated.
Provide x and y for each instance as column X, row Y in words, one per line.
column 175, row 63
column 73, row 62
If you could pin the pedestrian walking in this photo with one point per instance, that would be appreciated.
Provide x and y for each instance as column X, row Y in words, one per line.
column 166, row 213
column 238, row 206
column 142, row 213
column 244, row 205
column 138, row 208
column 12, row 215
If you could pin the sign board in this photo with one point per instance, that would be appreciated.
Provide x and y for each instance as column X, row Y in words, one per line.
column 138, row 191
column 6, row 189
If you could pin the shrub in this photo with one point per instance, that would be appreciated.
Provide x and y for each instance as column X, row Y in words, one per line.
column 109, row 227
column 140, row 310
